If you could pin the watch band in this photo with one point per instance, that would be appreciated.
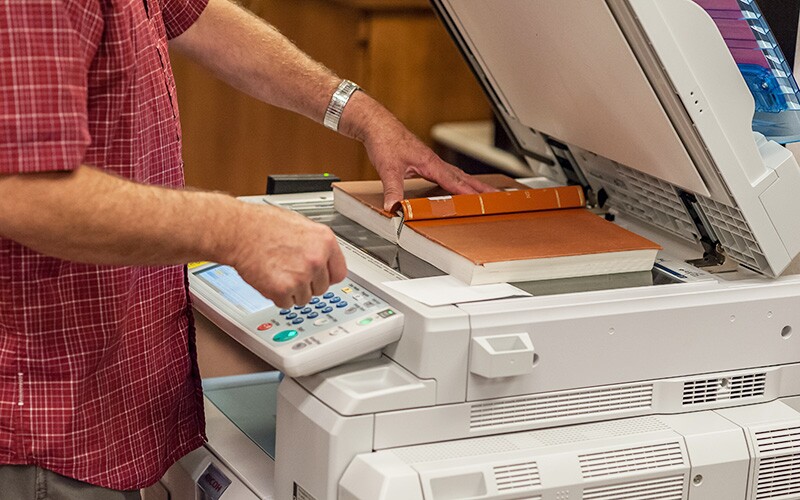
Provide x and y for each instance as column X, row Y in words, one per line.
column 339, row 100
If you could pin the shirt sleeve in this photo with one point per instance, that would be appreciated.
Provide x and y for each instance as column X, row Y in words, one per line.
column 43, row 88
column 180, row 14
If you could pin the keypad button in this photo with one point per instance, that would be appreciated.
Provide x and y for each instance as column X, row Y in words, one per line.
column 297, row 308
column 285, row 335
column 365, row 321
column 327, row 310
column 351, row 310
column 312, row 315
column 297, row 321
column 320, row 305
column 313, row 300
column 342, row 304
column 284, row 312
column 322, row 321
column 291, row 316
column 305, row 310
column 335, row 300
column 264, row 327
column 327, row 295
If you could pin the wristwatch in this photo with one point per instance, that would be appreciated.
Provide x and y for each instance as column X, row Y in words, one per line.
column 339, row 100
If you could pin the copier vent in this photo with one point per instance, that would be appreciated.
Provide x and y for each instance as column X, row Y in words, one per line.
column 553, row 407
column 778, row 456
column 724, row 388
column 659, row 203
column 666, row 488
column 628, row 460
column 640, row 195
column 510, row 477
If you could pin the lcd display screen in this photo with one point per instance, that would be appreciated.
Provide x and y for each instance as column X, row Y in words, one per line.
column 227, row 282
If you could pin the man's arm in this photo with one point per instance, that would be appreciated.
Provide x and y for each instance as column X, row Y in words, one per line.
column 90, row 216
column 254, row 57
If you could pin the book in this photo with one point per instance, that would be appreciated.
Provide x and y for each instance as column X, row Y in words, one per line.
column 501, row 202
column 505, row 247
column 363, row 201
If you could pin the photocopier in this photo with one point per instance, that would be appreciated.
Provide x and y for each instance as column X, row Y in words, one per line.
column 679, row 383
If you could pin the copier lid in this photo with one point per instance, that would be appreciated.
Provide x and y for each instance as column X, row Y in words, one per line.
column 565, row 68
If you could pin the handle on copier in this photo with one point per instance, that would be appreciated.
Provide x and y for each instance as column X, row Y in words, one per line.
column 507, row 355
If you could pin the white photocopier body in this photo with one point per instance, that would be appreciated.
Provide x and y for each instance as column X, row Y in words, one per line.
column 676, row 384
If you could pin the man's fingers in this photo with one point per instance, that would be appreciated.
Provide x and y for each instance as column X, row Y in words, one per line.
column 392, row 190
column 478, row 186
column 282, row 301
column 321, row 282
column 450, row 178
column 455, row 180
column 337, row 267
column 302, row 294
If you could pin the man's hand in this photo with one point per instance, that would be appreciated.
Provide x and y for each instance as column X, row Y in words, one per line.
column 398, row 154
column 285, row 256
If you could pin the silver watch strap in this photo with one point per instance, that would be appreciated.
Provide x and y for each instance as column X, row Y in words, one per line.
column 338, row 101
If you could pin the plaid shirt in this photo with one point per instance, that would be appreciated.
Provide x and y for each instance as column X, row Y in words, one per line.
column 98, row 377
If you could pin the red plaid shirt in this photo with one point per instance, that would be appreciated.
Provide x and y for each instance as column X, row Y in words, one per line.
column 98, row 378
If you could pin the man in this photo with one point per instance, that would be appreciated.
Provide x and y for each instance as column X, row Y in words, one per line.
column 99, row 391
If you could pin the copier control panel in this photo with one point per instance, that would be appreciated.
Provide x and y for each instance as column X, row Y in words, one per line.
column 343, row 323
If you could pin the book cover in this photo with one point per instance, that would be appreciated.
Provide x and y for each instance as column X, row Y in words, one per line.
column 528, row 246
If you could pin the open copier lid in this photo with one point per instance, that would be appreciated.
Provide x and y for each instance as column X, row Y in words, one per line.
column 641, row 102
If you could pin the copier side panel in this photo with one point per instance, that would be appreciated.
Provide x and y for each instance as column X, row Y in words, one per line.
column 599, row 338
column 314, row 444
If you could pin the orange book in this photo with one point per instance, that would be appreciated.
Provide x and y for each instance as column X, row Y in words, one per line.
column 520, row 243
column 501, row 202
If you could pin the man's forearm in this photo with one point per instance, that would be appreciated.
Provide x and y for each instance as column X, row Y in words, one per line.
column 255, row 58
column 90, row 216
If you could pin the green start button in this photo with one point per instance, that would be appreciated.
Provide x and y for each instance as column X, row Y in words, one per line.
column 285, row 335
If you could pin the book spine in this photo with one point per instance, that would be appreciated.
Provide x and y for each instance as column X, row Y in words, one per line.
column 500, row 202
